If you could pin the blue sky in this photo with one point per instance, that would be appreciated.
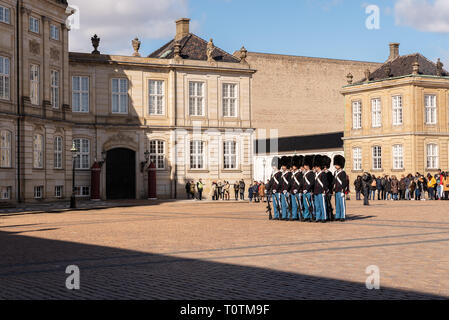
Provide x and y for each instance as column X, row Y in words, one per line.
column 318, row 28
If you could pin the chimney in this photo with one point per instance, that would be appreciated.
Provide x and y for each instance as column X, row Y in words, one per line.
column 182, row 28
column 394, row 51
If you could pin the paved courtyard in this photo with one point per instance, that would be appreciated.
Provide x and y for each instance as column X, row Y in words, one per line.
column 192, row 250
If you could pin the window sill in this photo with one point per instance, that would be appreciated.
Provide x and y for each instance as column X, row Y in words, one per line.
column 198, row 171
column 232, row 170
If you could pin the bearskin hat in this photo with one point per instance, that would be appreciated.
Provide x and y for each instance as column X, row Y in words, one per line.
column 285, row 162
column 327, row 162
column 339, row 161
column 296, row 161
column 301, row 161
column 276, row 162
column 317, row 161
column 308, row 161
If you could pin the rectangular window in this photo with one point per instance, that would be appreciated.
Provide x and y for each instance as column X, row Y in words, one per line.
column 34, row 25
column 5, row 70
column 82, row 191
column 432, row 156
column 120, row 96
column 398, row 157
column 377, row 158
column 34, row 84
column 5, row 149
column 397, row 110
column 196, row 154
column 157, row 153
column 38, row 151
column 230, row 155
column 54, row 89
column 357, row 159
column 229, row 100
column 431, row 109
column 196, row 98
column 156, row 97
column 80, row 94
column 357, row 115
column 5, row 193
column 82, row 157
column 38, row 192
column 376, row 113
column 58, row 153
column 54, row 32
column 59, row 191
column 5, row 15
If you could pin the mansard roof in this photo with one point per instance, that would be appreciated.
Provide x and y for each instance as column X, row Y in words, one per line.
column 403, row 66
column 193, row 48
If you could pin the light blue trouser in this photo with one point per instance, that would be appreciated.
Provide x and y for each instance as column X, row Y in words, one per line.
column 296, row 200
column 284, row 202
column 320, row 207
column 340, row 206
column 276, row 201
column 307, row 197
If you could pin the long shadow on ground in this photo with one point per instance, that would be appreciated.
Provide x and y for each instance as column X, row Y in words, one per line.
column 34, row 268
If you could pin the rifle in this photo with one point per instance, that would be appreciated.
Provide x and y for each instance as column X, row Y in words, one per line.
column 299, row 204
column 289, row 203
column 309, row 206
column 270, row 215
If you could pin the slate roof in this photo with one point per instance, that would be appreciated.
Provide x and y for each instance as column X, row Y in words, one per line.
column 403, row 66
column 303, row 143
column 193, row 48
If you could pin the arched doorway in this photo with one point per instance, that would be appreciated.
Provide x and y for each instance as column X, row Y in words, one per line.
column 121, row 174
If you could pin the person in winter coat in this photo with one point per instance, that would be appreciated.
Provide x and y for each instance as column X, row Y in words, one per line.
column 402, row 188
column 367, row 180
column 395, row 187
column 236, row 190
column 446, row 186
column 358, row 187
column 431, row 186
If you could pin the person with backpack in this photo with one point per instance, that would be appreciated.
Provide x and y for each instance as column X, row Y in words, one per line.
column 236, row 190
column 358, row 188
column 187, row 187
column 373, row 187
column 242, row 189
column 192, row 189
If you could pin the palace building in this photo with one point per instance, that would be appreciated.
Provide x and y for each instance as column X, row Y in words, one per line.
column 397, row 117
column 186, row 108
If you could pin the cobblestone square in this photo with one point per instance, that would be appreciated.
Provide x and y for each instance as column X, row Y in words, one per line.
column 193, row 250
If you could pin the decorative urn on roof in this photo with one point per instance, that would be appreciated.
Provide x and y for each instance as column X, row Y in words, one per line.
column 95, row 43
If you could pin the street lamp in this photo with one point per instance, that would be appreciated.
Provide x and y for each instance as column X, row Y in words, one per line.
column 264, row 165
column 74, row 151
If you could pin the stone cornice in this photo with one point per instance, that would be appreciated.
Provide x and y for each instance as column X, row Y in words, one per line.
column 392, row 135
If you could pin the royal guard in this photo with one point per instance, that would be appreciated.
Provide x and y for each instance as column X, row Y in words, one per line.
column 320, row 189
column 330, row 183
column 285, row 188
column 308, row 182
column 295, row 188
column 341, row 185
column 273, row 187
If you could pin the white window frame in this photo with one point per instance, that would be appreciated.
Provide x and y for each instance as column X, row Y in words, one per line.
column 229, row 155
column 5, row 149
column 377, row 157
column 156, row 97
column 82, row 191
column 376, row 113
column 119, row 95
column 34, row 24
column 38, row 192
column 397, row 110
column 58, row 152
column 430, row 106
column 230, row 100
column 38, row 151
column 5, row 78
column 398, row 157
column 357, row 159
column 196, row 98
column 34, row 83
column 59, row 191
column 432, row 156
column 5, row 15
column 82, row 92
column 357, row 115
column 157, row 153
column 55, row 82
column 5, row 193
column 197, row 155
column 54, row 32
column 82, row 157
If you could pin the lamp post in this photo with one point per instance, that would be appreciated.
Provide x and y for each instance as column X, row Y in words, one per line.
column 74, row 151
column 264, row 165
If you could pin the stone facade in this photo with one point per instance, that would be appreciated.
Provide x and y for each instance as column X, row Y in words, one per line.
column 412, row 122
column 66, row 98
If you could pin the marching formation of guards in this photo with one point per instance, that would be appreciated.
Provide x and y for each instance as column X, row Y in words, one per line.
column 301, row 189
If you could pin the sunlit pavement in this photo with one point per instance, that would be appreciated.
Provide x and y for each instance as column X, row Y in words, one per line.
column 193, row 250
